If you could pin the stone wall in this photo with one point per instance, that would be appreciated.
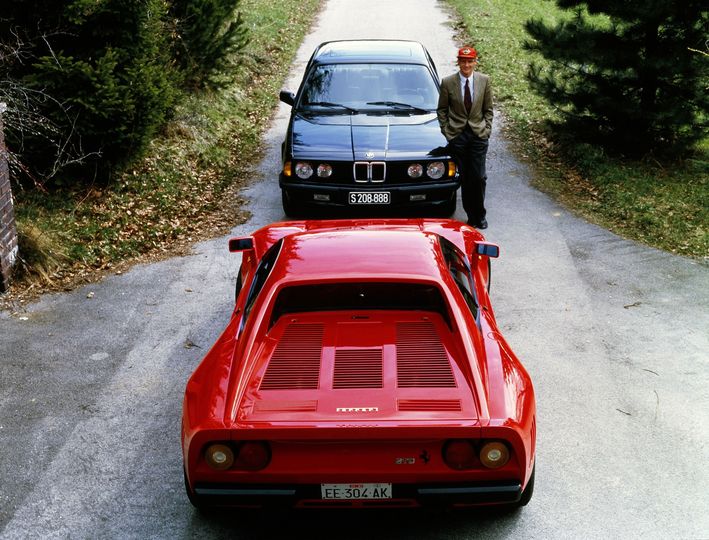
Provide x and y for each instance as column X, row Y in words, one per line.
column 8, row 231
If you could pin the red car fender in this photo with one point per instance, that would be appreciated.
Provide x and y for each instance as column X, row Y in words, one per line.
column 511, row 397
column 206, row 390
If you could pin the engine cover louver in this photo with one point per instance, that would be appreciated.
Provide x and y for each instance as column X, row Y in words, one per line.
column 421, row 359
column 309, row 405
column 410, row 405
column 358, row 368
column 295, row 363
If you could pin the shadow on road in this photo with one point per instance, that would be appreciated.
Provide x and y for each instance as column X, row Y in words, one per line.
column 390, row 524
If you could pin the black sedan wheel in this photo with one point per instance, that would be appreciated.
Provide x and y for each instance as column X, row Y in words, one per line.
column 448, row 209
column 290, row 208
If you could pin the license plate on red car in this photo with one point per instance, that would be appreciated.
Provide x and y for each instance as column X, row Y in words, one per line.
column 369, row 197
column 355, row 491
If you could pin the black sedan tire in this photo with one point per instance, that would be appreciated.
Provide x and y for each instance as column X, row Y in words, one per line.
column 448, row 209
column 290, row 209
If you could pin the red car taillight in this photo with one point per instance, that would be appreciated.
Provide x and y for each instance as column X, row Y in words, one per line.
column 253, row 456
column 460, row 454
column 219, row 456
column 494, row 454
column 246, row 456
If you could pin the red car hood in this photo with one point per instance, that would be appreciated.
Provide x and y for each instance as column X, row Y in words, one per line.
column 377, row 368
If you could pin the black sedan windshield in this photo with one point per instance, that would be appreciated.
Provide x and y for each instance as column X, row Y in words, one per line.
column 369, row 87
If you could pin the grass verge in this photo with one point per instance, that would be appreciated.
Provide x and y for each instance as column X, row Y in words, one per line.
column 665, row 205
column 185, row 189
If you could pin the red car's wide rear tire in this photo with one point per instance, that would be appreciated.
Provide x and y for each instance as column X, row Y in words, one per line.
column 195, row 499
column 528, row 491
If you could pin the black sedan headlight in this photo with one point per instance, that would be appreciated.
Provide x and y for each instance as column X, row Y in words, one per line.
column 303, row 170
column 415, row 170
column 434, row 170
column 324, row 170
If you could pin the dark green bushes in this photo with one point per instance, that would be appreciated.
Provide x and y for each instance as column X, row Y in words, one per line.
column 208, row 38
column 89, row 83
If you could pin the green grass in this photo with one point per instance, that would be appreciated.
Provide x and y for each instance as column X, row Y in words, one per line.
column 186, row 186
column 665, row 205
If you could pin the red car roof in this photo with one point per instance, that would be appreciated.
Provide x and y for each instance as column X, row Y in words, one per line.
column 399, row 254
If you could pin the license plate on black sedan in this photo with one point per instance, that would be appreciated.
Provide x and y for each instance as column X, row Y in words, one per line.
column 355, row 491
column 369, row 197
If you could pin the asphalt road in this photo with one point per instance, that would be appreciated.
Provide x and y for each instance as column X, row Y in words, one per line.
column 614, row 334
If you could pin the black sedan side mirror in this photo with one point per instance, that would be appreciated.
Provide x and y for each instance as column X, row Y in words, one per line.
column 287, row 97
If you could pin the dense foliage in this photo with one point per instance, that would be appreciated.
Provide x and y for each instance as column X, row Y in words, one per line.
column 89, row 83
column 208, row 38
column 634, row 80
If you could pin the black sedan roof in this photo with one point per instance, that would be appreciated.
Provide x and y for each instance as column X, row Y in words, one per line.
column 371, row 50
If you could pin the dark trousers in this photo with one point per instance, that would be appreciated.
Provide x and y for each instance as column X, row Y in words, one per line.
column 470, row 151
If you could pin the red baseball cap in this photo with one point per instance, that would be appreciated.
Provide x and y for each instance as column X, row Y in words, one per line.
column 467, row 52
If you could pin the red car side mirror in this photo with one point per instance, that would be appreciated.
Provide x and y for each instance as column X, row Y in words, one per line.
column 487, row 248
column 241, row 244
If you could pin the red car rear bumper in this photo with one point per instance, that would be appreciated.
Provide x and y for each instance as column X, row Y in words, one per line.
column 403, row 495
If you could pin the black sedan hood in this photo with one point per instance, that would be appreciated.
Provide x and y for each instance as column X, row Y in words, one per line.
column 367, row 137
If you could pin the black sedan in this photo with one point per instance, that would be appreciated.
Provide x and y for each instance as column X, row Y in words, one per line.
column 363, row 133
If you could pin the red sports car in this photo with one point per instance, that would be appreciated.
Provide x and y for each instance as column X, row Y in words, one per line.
column 362, row 367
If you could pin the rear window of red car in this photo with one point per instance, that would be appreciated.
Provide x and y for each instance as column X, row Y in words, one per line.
column 346, row 296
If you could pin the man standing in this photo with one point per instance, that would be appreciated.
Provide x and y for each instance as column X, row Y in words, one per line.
column 465, row 116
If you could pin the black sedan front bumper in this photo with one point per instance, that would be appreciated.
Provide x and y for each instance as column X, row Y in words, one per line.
column 401, row 196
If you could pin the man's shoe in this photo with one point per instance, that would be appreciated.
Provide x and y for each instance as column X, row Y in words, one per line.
column 482, row 224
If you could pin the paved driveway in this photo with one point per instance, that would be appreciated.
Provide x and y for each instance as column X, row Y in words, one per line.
column 614, row 334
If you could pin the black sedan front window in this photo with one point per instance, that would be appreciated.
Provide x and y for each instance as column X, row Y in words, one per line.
column 369, row 87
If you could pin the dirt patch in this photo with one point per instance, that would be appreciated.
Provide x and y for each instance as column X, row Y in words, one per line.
column 28, row 284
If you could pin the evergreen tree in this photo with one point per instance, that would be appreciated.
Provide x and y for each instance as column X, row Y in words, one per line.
column 210, row 33
column 631, row 81
column 100, row 73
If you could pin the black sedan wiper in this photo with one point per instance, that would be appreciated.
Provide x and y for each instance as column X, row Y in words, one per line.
column 333, row 105
column 399, row 105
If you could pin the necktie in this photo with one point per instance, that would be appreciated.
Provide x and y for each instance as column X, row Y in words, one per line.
column 467, row 99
